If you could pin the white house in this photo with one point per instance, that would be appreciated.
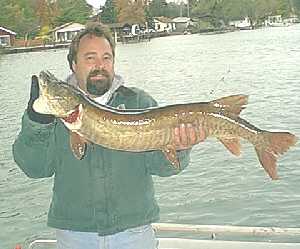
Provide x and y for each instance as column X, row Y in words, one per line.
column 182, row 23
column 66, row 32
column 278, row 21
column 274, row 21
column 292, row 19
column 7, row 37
column 163, row 24
column 241, row 24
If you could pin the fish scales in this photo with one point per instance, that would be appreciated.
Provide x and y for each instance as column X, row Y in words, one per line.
column 151, row 131
column 153, row 128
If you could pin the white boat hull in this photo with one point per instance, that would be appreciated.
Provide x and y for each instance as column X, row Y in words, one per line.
column 213, row 231
column 175, row 243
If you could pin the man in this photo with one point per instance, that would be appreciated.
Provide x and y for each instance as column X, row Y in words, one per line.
column 106, row 199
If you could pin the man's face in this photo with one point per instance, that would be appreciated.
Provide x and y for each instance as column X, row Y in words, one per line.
column 94, row 68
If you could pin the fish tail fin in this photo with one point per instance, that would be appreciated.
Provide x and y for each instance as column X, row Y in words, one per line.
column 277, row 144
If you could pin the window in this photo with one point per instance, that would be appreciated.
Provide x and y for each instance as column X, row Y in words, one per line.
column 4, row 40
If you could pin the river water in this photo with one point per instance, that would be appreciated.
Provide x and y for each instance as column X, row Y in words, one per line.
column 216, row 188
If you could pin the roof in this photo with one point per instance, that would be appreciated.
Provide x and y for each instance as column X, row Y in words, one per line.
column 181, row 19
column 71, row 26
column 163, row 19
column 8, row 31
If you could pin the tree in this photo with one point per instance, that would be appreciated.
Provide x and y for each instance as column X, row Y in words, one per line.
column 13, row 16
column 43, row 12
column 109, row 12
column 296, row 5
column 158, row 8
column 130, row 12
column 284, row 8
column 228, row 10
column 72, row 11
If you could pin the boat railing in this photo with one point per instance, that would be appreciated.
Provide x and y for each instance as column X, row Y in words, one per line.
column 212, row 230
column 223, row 229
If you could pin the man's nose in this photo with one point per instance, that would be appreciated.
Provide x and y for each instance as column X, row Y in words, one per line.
column 99, row 63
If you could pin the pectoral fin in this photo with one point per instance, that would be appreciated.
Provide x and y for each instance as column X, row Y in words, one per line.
column 78, row 145
column 171, row 155
column 232, row 144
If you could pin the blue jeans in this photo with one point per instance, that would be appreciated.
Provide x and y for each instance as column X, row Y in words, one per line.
column 135, row 238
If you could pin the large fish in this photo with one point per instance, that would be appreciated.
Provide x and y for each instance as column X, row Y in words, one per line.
column 153, row 129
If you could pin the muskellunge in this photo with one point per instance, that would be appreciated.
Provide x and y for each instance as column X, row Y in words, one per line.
column 153, row 128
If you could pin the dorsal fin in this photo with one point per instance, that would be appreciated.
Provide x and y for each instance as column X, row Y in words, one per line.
column 233, row 104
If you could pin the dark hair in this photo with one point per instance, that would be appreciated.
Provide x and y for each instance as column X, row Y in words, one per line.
column 92, row 28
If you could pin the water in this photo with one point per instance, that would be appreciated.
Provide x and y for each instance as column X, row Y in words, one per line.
column 216, row 188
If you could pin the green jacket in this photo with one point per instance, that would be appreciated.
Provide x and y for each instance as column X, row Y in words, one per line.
column 107, row 191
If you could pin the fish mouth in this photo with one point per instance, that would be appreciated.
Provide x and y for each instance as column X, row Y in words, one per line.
column 73, row 120
column 40, row 106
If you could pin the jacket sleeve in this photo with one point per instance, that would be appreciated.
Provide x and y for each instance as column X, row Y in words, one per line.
column 155, row 161
column 34, row 148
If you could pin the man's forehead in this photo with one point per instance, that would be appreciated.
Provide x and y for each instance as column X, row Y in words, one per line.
column 89, row 37
column 94, row 41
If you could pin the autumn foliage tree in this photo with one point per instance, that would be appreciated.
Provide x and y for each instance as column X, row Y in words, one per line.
column 25, row 17
column 72, row 11
column 130, row 11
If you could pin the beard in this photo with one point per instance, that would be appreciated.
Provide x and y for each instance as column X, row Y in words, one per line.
column 98, row 87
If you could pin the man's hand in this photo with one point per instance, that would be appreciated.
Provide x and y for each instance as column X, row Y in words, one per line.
column 187, row 135
column 34, row 94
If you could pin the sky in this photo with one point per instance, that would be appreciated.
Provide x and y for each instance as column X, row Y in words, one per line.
column 96, row 3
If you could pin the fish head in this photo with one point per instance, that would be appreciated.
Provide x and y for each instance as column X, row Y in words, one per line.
column 55, row 97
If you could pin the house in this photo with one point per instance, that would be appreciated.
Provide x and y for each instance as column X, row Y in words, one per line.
column 66, row 32
column 7, row 37
column 244, row 24
column 274, row 21
column 279, row 21
column 128, row 32
column 182, row 23
column 163, row 24
column 292, row 19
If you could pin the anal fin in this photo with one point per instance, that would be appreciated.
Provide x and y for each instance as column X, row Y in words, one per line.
column 232, row 144
column 268, row 160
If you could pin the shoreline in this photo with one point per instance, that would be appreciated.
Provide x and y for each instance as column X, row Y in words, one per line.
column 17, row 50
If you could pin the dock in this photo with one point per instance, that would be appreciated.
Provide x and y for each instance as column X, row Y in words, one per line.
column 15, row 50
column 135, row 38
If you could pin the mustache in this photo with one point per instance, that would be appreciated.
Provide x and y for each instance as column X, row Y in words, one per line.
column 97, row 72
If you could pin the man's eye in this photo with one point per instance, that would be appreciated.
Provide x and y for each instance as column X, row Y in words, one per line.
column 107, row 57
